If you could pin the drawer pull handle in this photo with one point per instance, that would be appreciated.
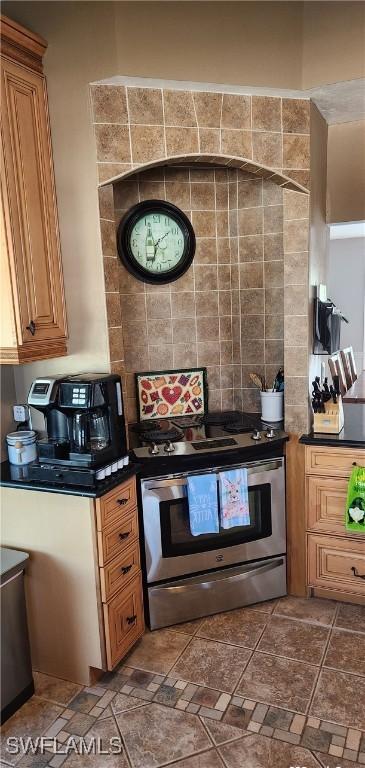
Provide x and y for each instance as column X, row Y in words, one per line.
column 126, row 568
column 356, row 573
column 131, row 619
column 354, row 464
column 124, row 535
column 121, row 502
column 31, row 327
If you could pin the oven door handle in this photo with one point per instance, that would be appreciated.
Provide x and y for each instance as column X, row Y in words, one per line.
column 190, row 586
column 155, row 485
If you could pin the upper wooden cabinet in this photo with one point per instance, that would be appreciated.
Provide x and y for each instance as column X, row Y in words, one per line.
column 33, row 316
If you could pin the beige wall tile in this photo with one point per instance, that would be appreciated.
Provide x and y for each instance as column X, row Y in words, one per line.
column 111, row 273
column 267, row 149
column 237, row 143
column 247, row 383
column 179, row 108
column 158, row 305
column 178, row 193
column 250, row 193
column 296, row 330
column 273, row 247
column 116, row 344
column 175, row 173
column 145, row 106
column 253, row 326
column 108, row 171
column 252, row 301
column 296, row 236
column 159, row 331
column 226, row 352
column 296, row 205
column 274, row 352
column 206, row 278
column 113, row 309
column 274, row 300
column 183, row 304
column 222, row 223
column 295, row 151
column 225, row 328
column 296, row 299
column 273, row 219
column 206, row 250
column 202, row 196
column 225, row 303
column 207, row 328
column 151, row 190
column 274, row 274
column 227, row 377
column 184, row 355
column 161, row 356
column 236, row 111
column 221, row 196
column 134, row 333
column 296, row 115
column 232, row 194
column 210, row 140
column 184, row 283
column 224, row 277
column 250, row 221
column 126, row 193
column 296, row 418
column 106, row 202
column 253, row 352
column 300, row 177
column 274, row 326
column 266, row 113
column 251, row 248
column 206, row 304
column 112, row 144
column 272, row 193
column 181, row 141
column 147, row 143
column 251, row 401
column 133, row 306
column 296, row 390
column 108, row 238
column 208, row 107
column 251, row 275
column 208, row 352
column 296, row 361
column 109, row 104
column 128, row 283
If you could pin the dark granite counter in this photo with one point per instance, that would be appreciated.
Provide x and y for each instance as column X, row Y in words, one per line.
column 8, row 479
column 351, row 436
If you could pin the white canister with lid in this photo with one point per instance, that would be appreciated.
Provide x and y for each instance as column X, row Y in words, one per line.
column 22, row 447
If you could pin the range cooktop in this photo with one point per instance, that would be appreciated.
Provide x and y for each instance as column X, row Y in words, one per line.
column 195, row 436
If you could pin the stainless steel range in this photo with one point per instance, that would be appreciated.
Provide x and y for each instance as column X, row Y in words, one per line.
column 188, row 576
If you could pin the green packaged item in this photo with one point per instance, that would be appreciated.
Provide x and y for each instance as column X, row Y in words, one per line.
column 355, row 505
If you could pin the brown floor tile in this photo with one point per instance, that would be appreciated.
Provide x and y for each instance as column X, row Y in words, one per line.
column 280, row 682
column 188, row 627
column 79, row 724
column 239, row 627
column 84, row 702
column 294, row 640
column 351, row 617
column 105, row 730
column 340, row 698
column 221, row 732
column 346, row 651
column 266, row 607
column 328, row 761
column 154, row 735
column 208, row 759
column 260, row 752
column 32, row 719
column 122, row 703
column 312, row 610
column 237, row 717
column 158, row 651
column 215, row 665
column 54, row 689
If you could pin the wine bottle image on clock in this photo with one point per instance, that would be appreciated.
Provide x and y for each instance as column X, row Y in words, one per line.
column 150, row 245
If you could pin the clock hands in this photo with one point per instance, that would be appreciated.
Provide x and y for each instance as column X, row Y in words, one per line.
column 159, row 240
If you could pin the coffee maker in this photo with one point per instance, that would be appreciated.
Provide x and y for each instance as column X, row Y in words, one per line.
column 84, row 424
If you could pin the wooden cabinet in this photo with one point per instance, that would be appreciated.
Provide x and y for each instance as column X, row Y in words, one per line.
column 335, row 557
column 33, row 316
column 120, row 570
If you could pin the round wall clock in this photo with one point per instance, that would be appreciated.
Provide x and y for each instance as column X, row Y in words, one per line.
column 156, row 241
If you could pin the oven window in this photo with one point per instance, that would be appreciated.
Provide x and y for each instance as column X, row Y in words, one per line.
column 177, row 539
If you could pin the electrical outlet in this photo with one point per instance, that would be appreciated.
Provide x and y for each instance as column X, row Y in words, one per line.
column 21, row 413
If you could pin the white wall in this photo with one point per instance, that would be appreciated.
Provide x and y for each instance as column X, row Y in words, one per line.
column 346, row 287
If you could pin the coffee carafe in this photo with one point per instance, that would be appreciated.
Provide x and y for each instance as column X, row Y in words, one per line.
column 84, row 419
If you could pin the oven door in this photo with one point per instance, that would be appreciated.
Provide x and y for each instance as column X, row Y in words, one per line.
column 171, row 550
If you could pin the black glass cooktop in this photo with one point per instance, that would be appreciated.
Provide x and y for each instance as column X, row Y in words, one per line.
column 194, row 429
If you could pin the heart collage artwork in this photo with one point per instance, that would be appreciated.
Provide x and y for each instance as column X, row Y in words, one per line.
column 171, row 393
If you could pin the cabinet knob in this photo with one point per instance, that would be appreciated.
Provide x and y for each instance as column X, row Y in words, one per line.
column 124, row 535
column 31, row 327
column 126, row 568
column 122, row 502
column 131, row 619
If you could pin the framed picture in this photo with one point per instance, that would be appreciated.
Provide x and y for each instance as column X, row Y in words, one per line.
column 166, row 394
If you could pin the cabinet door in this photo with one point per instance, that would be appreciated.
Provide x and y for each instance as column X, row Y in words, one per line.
column 123, row 621
column 326, row 504
column 31, row 216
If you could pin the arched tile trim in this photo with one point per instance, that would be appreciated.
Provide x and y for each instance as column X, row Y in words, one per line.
column 225, row 160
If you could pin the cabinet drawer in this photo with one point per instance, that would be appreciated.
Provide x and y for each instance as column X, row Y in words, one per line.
column 123, row 617
column 114, row 539
column 332, row 462
column 119, row 572
column 326, row 504
column 110, row 507
column 332, row 562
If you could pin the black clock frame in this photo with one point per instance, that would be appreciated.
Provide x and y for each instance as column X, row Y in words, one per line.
column 124, row 237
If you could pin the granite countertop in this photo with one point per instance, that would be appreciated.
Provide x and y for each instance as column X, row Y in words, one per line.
column 351, row 436
column 104, row 486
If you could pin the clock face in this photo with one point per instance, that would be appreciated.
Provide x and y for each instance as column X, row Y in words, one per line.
column 156, row 241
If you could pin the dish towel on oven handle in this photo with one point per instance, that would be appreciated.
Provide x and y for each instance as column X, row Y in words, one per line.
column 233, row 494
column 203, row 504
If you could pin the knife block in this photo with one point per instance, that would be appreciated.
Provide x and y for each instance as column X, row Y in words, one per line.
column 332, row 420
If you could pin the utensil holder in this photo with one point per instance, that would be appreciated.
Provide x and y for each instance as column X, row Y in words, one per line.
column 272, row 406
column 332, row 421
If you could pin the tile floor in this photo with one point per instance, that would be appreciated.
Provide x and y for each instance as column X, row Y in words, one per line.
column 275, row 685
